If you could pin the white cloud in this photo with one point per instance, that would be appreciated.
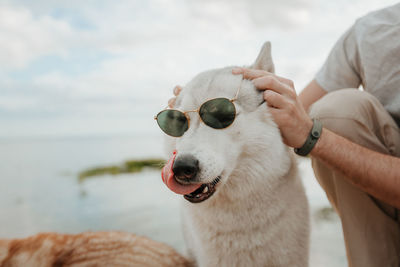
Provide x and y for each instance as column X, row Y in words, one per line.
column 259, row 13
column 17, row 103
column 24, row 38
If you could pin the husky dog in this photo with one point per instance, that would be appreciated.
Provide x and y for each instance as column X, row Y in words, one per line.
column 248, row 206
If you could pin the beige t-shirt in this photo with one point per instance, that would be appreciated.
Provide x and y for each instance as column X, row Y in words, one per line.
column 368, row 54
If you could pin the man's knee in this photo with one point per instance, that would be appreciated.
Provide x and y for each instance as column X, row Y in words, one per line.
column 346, row 112
column 345, row 104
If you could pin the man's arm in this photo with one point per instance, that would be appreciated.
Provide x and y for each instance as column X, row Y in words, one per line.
column 372, row 172
column 311, row 93
column 375, row 173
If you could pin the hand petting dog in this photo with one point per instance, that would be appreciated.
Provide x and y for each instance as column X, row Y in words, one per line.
column 177, row 90
column 284, row 105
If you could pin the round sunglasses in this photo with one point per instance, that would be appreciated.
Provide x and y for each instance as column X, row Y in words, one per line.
column 218, row 113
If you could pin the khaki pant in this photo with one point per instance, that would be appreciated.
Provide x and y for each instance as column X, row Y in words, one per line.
column 371, row 228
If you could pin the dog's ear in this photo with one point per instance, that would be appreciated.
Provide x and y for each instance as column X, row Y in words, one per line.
column 264, row 59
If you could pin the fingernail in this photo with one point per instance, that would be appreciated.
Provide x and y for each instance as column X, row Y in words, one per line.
column 171, row 102
column 177, row 89
column 237, row 70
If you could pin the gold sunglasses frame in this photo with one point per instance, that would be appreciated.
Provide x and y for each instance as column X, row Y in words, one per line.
column 198, row 110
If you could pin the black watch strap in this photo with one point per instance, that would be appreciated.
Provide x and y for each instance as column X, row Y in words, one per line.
column 311, row 139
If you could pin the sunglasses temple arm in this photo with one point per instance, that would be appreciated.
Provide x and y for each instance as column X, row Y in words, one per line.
column 238, row 90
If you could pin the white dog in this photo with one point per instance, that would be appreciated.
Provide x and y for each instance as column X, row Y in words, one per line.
column 248, row 207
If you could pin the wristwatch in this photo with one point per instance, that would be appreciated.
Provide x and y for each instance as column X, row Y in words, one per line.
column 311, row 140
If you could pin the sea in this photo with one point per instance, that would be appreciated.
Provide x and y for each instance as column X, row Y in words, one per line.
column 40, row 192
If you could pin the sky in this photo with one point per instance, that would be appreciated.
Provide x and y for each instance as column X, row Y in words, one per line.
column 100, row 68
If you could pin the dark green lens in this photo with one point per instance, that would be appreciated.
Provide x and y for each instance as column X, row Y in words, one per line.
column 218, row 113
column 172, row 122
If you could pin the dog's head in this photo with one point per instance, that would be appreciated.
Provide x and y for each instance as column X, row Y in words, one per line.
column 210, row 160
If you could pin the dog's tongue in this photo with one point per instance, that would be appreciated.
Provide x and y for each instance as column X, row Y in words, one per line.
column 167, row 176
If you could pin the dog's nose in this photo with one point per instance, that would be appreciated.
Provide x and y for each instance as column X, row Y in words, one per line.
column 185, row 168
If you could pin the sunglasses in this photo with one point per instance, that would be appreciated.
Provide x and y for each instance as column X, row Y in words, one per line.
column 218, row 113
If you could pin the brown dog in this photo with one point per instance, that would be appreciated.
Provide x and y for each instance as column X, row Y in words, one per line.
column 88, row 249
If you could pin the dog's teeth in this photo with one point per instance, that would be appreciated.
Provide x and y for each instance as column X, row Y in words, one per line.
column 205, row 190
column 197, row 196
column 215, row 181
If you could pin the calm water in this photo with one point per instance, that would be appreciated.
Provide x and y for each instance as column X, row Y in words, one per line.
column 39, row 192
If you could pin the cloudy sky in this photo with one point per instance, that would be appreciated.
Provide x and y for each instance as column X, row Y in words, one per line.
column 96, row 67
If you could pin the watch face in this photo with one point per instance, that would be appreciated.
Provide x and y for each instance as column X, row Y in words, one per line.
column 317, row 128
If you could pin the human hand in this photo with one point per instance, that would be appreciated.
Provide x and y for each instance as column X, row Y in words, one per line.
column 284, row 105
column 177, row 90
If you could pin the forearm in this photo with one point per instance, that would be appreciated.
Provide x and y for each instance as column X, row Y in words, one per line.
column 372, row 172
column 311, row 93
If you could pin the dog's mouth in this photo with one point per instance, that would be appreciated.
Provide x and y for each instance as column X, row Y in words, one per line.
column 204, row 192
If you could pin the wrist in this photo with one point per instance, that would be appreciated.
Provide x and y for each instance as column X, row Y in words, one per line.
column 311, row 139
column 319, row 146
column 306, row 132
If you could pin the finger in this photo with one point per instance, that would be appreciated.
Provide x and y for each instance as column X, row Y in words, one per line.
column 275, row 113
column 286, row 81
column 250, row 74
column 274, row 99
column 237, row 70
column 171, row 102
column 281, row 118
column 177, row 90
column 272, row 83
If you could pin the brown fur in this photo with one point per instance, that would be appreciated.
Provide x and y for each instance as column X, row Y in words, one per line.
column 88, row 249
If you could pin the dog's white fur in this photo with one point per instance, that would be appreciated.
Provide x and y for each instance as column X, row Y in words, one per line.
column 258, row 215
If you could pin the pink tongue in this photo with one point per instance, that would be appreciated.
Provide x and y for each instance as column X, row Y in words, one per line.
column 167, row 176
